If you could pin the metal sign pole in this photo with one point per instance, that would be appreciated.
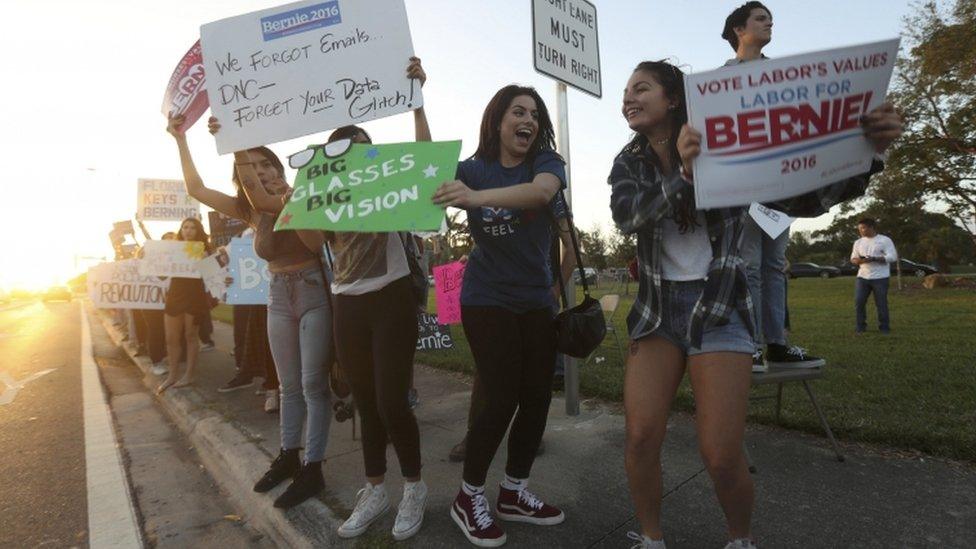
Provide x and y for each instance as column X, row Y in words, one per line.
column 570, row 364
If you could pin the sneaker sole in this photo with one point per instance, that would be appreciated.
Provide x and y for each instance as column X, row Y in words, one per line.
column 551, row 521
column 409, row 532
column 476, row 541
column 346, row 534
column 806, row 364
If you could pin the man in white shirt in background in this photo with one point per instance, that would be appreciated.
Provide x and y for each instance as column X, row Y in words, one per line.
column 873, row 253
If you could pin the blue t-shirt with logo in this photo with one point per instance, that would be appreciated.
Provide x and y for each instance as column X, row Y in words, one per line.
column 509, row 266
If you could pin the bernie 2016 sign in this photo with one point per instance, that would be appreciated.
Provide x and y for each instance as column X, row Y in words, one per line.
column 369, row 188
column 774, row 129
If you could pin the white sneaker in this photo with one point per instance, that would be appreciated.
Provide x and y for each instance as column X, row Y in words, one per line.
column 271, row 402
column 159, row 369
column 370, row 505
column 644, row 542
column 410, row 515
column 759, row 363
column 741, row 543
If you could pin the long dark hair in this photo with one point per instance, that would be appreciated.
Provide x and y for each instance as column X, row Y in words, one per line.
column 243, row 204
column 672, row 80
column 201, row 234
column 348, row 132
column 489, row 140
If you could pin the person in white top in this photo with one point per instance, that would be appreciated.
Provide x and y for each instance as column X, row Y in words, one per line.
column 873, row 253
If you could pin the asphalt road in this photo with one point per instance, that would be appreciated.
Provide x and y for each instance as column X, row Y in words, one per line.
column 42, row 471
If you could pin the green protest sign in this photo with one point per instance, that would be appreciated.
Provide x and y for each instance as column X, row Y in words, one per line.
column 369, row 188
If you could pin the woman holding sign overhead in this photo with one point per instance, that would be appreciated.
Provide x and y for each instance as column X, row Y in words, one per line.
column 298, row 312
column 693, row 309
column 508, row 188
column 376, row 336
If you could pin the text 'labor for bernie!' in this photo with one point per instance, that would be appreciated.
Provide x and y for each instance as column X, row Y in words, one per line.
column 571, row 37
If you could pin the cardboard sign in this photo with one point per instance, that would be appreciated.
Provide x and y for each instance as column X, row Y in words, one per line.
column 432, row 336
column 566, row 45
column 774, row 129
column 307, row 67
column 165, row 200
column 370, row 188
column 223, row 228
column 251, row 278
column 186, row 90
column 123, row 227
column 772, row 222
column 119, row 285
column 447, row 284
column 214, row 272
column 171, row 258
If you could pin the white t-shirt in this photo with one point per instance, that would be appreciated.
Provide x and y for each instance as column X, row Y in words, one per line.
column 876, row 246
column 685, row 256
column 367, row 262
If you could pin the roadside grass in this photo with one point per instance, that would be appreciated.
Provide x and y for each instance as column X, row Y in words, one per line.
column 913, row 389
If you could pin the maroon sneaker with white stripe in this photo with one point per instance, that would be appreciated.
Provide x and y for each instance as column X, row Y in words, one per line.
column 472, row 514
column 523, row 506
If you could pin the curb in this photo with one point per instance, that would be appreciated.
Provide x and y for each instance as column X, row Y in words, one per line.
column 234, row 461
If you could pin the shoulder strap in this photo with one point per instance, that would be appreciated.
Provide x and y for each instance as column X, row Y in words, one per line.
column 576, row 249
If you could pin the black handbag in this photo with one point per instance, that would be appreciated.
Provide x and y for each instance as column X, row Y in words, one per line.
column 581, row 329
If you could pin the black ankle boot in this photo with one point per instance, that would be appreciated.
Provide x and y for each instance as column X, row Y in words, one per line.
column 286, row 465
column 308, row 483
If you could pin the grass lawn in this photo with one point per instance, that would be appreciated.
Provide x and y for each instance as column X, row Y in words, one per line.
column 913, row 389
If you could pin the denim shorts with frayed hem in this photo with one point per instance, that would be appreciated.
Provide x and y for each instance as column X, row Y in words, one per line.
column 678, row 300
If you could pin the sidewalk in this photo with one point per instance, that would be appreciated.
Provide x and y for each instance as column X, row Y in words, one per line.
column 804, row 497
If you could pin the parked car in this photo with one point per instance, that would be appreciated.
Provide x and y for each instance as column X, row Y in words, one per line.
column 57, row 293
column 918, row 269
column 797, row 270
column 590, row 273
column 847, row 268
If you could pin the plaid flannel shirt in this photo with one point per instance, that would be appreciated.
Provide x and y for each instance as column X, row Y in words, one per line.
column 641, row 197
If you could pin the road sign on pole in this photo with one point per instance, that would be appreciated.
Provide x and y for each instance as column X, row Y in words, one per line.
column 565, row 44
column 565, row 47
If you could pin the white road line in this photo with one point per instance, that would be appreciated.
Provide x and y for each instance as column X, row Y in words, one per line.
column 111, row 518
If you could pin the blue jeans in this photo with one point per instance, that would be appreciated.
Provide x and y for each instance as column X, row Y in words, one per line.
column 862, row 288
column 765, row 260
column 678, row 300
column 300, row 332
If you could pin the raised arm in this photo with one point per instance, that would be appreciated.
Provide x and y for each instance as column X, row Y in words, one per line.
column 217, row 200
column 257, row 195
column 421, row 129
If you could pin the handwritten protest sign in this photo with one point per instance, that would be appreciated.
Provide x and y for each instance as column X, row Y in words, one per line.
column 171, row 258
column 119, row 285
column 214, row 272
column 186, row 90
column 165, row 200
column 307, row 67
column 223, row 228
column 447, row 282
column 370, row 188
column 432, row 336
column 774, row 129
column 123, row 227
column 251, row 278
column 772, row 222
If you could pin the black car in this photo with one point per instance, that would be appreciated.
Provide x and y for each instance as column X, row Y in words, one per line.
column 918, row 269
column 798, row 270
column 847, row 268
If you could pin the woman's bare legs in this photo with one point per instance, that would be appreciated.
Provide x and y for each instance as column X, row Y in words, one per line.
column 721, row 384
column 173, row 326
column 190, row 331
column 655, row 367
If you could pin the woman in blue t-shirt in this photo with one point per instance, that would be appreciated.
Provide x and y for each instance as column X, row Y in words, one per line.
column 508, row 189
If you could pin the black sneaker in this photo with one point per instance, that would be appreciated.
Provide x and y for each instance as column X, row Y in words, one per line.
column 758, row 363
column 286, row 465
column 307, row 483
column 240, row 381
column 783, row 357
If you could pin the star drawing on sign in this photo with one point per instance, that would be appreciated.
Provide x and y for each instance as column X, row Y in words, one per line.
column 797, row 127
column 430, row 171
column 285, row 219
column 372, row 153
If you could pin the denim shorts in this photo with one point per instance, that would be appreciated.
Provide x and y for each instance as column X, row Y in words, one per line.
column 678, row 300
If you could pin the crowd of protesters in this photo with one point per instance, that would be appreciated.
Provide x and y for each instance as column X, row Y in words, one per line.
column 711, row 301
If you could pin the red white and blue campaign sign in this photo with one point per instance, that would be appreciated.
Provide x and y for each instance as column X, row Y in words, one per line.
column 777, row 128
column 186, row 92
